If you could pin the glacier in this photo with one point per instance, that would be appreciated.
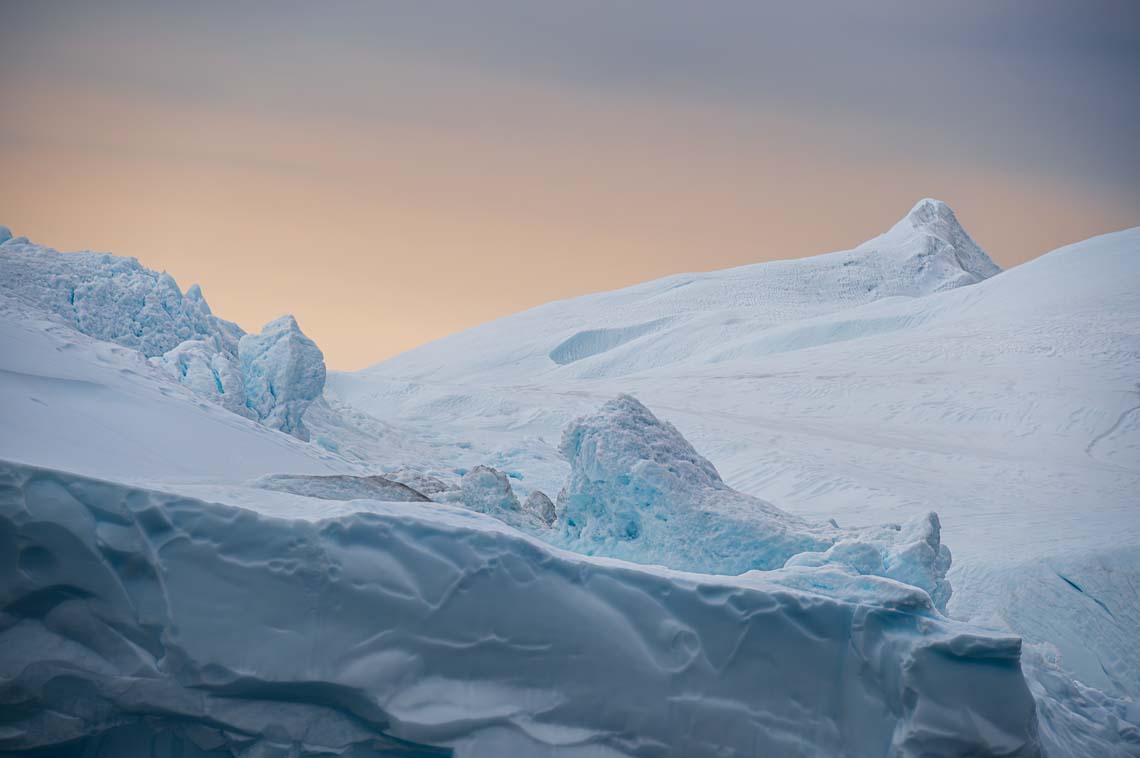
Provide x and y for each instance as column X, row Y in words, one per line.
column 214, row 546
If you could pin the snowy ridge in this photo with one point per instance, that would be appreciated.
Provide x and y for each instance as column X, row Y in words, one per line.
column 659, row 323
column 409, row 625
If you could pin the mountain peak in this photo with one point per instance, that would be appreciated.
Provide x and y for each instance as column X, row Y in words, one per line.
column 929, row 211
column 930, row 231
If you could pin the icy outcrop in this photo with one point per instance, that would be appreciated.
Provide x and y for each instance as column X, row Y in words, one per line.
column 272, row 376
column 283, row 371
column 113, row 298
column 540, row 506
column 487, row 490
column 638, row 490
column 207, row 372
column 342, row 487
column 137, row 614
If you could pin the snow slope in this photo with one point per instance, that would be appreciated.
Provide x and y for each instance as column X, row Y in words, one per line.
column 858, row 386
column 315, row 627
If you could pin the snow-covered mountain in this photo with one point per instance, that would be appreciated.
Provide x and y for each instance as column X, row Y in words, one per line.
column 229, row 561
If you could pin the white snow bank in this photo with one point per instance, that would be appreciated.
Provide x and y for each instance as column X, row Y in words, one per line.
column 135, row 613
column 638, row 490
column 284, row 372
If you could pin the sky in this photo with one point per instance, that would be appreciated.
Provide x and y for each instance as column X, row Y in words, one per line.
column 392, row 172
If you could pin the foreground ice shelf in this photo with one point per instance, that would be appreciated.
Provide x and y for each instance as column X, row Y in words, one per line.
column 133, row 614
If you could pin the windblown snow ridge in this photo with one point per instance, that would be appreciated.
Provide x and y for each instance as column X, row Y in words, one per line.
column 409, row 625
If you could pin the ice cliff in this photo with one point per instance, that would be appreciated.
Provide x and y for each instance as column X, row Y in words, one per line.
column 134, row 617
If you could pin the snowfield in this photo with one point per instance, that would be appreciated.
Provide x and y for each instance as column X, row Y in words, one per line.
column 876, row 502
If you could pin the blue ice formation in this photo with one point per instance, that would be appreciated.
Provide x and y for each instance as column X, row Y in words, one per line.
column 638, row 490
column 208, row 372
column 283, row 372
column 113, row 298
column 271, row 377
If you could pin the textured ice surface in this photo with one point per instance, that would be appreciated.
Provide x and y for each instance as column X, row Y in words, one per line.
column 284, row 372
column 638, row 490
column 273, row 378
column 207, row 372
column 113, row 298
column 419, row 624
